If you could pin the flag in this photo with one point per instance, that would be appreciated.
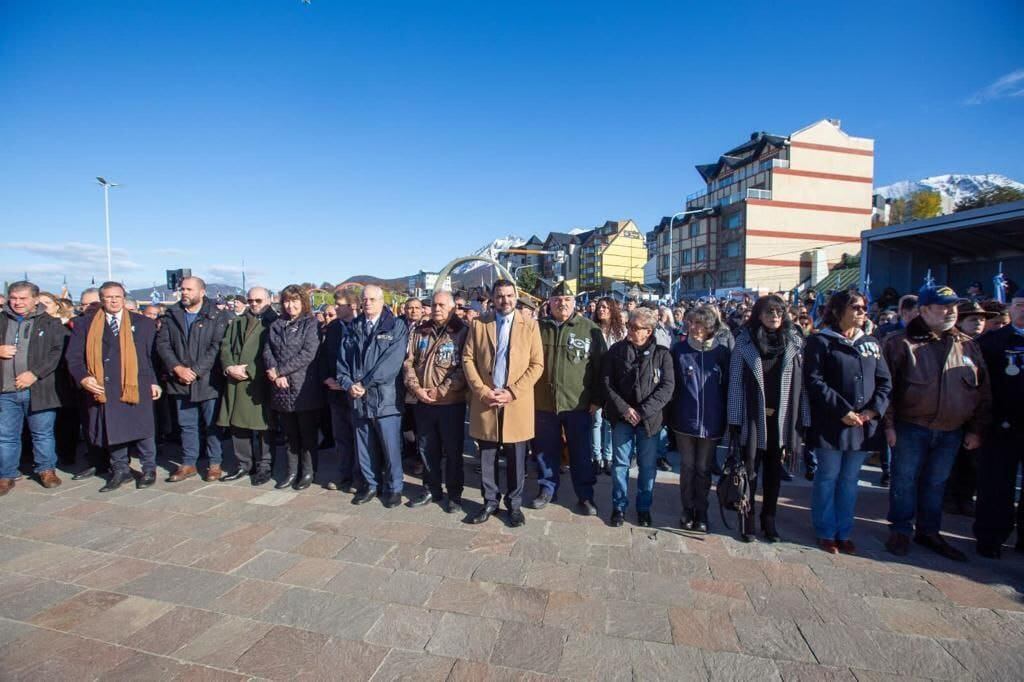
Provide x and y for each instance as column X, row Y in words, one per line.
column 867, row 290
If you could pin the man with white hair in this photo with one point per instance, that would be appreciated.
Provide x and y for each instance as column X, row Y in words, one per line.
column 370, row 370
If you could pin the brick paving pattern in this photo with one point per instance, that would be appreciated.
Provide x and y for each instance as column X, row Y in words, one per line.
column 198, row 581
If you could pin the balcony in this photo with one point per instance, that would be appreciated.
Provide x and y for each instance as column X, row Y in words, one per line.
column 767, row 164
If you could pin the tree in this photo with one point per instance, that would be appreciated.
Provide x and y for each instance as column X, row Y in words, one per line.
column 925, row 204
column 898, row 211
column 526, row 280
column 989, row 197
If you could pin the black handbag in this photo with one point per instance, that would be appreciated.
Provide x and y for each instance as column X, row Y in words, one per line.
column 734, row 486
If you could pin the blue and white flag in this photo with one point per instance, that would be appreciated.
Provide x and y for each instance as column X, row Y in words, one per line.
column 999, row 287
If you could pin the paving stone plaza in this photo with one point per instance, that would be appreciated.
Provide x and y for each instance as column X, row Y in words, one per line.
column 201, row 581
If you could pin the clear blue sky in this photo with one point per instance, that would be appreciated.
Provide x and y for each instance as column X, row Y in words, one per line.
column 326, row 140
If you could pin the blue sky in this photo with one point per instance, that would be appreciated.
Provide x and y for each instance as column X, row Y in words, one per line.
column 332, row 139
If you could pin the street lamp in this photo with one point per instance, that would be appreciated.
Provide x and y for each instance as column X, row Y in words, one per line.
column 671, row 234
column 106, row 213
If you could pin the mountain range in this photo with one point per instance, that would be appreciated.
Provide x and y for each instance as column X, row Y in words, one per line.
column 955, row 186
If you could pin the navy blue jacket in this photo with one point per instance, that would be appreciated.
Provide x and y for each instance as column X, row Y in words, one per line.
column 1004, row 349
column 376, row 363
column 292, row 348
column 702, row 381
column 842, row 376
column 198, row 349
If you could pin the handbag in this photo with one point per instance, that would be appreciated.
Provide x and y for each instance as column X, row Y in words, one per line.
column 733, row 487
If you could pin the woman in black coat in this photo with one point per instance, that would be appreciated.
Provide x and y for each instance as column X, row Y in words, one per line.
column 848, row 387
column 292, row 368
column 766, row 402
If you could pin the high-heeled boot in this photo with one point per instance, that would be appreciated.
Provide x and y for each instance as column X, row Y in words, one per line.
column 769, row 530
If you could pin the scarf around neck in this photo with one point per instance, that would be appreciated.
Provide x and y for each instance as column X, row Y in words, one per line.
column 129, row 361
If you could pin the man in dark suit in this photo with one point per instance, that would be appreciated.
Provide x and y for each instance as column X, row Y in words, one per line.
column 110, row 358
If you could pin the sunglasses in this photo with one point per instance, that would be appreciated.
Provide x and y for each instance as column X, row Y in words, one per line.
column 254, row 300
column 635, row 328
column 858, row 308
column 774, row 312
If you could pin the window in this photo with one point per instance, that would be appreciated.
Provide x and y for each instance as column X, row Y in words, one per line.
column 702, row 254
column 664, row 260
column 730, row 278
column 732, row 249
column 686, row 257
column 694, row 229
column 734, row 221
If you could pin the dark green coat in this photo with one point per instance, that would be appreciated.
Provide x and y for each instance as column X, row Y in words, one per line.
column 245, row 403
column 572, row 365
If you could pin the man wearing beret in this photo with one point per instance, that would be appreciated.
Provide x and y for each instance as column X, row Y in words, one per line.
column 566, row 397
column 940, row 401
column 1003, row 350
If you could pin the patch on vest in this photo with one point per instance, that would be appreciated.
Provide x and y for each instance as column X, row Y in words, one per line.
column 579, row 348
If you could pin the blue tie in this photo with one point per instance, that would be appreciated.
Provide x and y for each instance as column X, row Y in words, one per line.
column 501, row 357
column 115, row 326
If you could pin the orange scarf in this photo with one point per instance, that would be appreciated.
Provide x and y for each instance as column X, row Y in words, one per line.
column 129, row 361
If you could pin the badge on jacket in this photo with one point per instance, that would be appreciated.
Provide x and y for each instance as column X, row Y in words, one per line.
column 579, row 347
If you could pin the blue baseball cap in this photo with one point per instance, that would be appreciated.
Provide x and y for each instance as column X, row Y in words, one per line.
column 937, row 296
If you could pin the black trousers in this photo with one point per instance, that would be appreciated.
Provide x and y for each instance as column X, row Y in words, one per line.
column 251, row 449
column 765, row 468
column 998, row 462
column 695, row 455
column 439, row 437
column 120, row 455
column 515, row 470
column 302, row 431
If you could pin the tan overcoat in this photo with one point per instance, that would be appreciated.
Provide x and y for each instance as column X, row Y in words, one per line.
column 525, row 366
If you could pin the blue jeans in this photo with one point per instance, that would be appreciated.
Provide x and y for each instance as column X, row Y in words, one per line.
column 835, row 492
column 921, row 462
column 547, row 446
column 192, row 418
column 601, row 438
column 379, row 447
column 14, row 410
column 646, row 450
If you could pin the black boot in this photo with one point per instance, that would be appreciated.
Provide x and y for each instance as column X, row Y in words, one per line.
column 700, row 522
column 305, row 481
column 287, row 482
column 768, row 528
column 686, row 519
column 747, row 527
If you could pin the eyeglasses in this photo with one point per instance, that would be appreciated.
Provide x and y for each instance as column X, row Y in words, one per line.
column 774, row 312
column 254, row 300
column 858, row 308
column 635, row 328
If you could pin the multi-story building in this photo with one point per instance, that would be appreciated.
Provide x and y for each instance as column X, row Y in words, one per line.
column 774, row 205
column 614, row 252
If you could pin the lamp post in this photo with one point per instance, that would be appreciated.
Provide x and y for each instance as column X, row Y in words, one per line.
column 671, row 235
column 106, row 214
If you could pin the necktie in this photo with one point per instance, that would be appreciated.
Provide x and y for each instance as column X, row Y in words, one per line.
column 501, row 354
column 114, row 325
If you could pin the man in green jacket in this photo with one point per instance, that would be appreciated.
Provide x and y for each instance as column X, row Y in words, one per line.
column 566, row 398
column 246, row 399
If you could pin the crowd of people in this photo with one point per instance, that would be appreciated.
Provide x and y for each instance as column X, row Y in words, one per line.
column 929, row 383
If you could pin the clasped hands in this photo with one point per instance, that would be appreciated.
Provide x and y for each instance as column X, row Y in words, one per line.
column 276, row 379
column 852, row 418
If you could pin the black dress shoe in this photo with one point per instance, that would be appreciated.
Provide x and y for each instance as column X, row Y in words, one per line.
column 516, row 518
column 644, row 519
column 239, row 473
column 287, row 482
column 426, row 497
column 484, row 514
column 260, row 478
column 364, row 496
column 700, row 526
column 453, row 505
column 663, row 464
column 391, row 500
column 115, row 482
column 938, row 544
column 147, row 480
column 345, row 485
column 606, row 468
column 542, row 499
column 617, row 519
column 586, row 508
column 88, row 472
column 305, row 481
column 686, row 519
column 989, row 551
column 769, row 530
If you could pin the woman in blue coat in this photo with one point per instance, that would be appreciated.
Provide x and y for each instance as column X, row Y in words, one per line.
column 697, row 414
column 848, row 386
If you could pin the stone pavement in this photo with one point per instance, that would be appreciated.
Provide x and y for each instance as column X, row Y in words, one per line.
column 197, row 581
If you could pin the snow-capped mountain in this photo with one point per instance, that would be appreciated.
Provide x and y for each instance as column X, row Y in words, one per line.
column 490, row 251
column 954, row 186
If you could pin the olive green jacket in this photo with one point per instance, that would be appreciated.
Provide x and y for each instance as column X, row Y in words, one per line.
column 245, row 403
column 572, row 365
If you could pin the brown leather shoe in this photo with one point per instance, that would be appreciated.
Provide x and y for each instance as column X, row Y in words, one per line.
column 847, row 547
column 5, row 485
column 49, row 478
column 898, row 544
column 213, row 473
column 828, row 546
column 181, row 474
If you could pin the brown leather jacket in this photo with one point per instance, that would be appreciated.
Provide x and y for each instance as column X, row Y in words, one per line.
column 434, row 360
column 956, row 393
